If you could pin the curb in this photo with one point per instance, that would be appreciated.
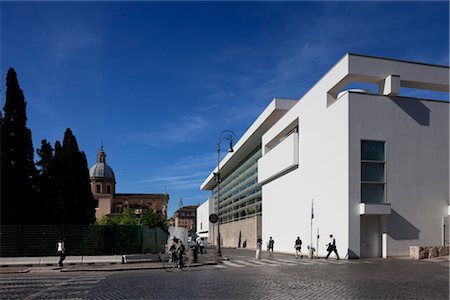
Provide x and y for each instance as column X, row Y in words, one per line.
column 100, row 267
column 130, row 268
column 6, row 266
column 6, row 271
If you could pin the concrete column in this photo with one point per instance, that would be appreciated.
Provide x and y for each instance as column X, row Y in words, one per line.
column 384, row 245
column 384, row 237
column 390, row 86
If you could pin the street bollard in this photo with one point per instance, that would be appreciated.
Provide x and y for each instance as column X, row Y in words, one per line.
column 194, row 254
column 258, row 254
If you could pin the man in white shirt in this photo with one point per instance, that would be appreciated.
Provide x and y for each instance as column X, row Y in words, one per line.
column 200, row 244
column 332, row 247
column 61, row 251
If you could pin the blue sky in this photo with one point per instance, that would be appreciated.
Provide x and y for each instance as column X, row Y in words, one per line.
column 157, row 81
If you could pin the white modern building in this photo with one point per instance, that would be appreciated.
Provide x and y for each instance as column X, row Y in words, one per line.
column 375, row 163
column 203, row 224
column 240, row 207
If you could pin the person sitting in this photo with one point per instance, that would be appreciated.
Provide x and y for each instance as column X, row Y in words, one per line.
column 173, row 248
column 177, row 249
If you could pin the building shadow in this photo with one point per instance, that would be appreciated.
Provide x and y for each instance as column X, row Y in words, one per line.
column 414, row 108
column 351, row 254
column 401, row 229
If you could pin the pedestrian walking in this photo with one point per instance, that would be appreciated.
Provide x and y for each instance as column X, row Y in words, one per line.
column 331, row 247
column 270, row 246
column 200, row 244
column 61, row 249
column 298, row 247
column 259, row 243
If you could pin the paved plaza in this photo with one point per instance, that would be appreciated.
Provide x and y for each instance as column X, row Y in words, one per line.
column 243, row 277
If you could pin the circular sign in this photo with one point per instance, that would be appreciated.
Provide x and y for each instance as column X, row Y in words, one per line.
column 213, row 218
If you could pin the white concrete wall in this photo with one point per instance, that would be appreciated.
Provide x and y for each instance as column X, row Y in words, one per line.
column 329, row 166
column 417, row 169
column 203, row 212
column 322, row 175
column 286, row 156
column 416, row 135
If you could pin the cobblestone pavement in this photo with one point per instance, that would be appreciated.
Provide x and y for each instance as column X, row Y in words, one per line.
column 242, row 277
column 48, row 285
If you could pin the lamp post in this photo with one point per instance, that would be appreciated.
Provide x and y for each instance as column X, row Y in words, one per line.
column 229, row 136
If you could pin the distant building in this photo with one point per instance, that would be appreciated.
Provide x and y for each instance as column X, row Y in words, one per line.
column 103, row 186
column 186, row 217
column 203, row 224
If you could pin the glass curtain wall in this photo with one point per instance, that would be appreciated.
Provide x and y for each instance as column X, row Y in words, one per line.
column 240, row 193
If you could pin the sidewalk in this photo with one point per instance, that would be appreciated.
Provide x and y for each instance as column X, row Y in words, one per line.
column 240, row 253
column 136, row 262
column 91, row 263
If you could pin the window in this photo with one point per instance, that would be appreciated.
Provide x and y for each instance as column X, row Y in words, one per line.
column 96, row 203
column 373, row 172
column 372, row 151
column 99, row 188
column 108, row 189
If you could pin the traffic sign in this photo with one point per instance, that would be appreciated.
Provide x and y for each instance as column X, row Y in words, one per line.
column 213, row 218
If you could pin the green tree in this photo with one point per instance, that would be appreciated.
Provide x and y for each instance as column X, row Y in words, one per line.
column 128, row 218
column 73, row 193
column 61, row 210
column 17, row 158
column 45, row 184
column 153, row 219
column 125, row 218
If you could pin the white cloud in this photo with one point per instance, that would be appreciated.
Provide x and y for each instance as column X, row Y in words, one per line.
column 67, row 43
column 165, row 179
column 182, row 176
column 180, row 131
column 193, row 163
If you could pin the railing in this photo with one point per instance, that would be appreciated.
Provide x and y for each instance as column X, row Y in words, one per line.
column 41, row 240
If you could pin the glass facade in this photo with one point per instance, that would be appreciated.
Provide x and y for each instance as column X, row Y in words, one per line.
column 372, row 172
column 240, row 193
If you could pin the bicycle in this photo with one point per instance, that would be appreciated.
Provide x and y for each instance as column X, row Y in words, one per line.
column 170, row 263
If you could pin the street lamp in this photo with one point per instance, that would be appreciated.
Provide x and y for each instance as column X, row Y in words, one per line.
column 229, row 136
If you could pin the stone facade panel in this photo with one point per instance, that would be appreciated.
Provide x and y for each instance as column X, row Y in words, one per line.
column 249, row 230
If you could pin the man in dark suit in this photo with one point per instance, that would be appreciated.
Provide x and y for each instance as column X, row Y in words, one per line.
column 332, row 247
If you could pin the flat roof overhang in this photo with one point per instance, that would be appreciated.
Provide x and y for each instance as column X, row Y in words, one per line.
column 372, row 69
column 250, row 139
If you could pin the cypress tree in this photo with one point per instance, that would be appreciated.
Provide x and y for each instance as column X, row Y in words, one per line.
column 74, row 189
column 61, row 211
column 17, row 157
column 45, row 184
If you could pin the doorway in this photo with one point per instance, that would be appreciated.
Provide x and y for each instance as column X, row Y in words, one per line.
column 370, row 239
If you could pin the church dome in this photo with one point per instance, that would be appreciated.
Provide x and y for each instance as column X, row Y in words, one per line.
column 101, row 168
